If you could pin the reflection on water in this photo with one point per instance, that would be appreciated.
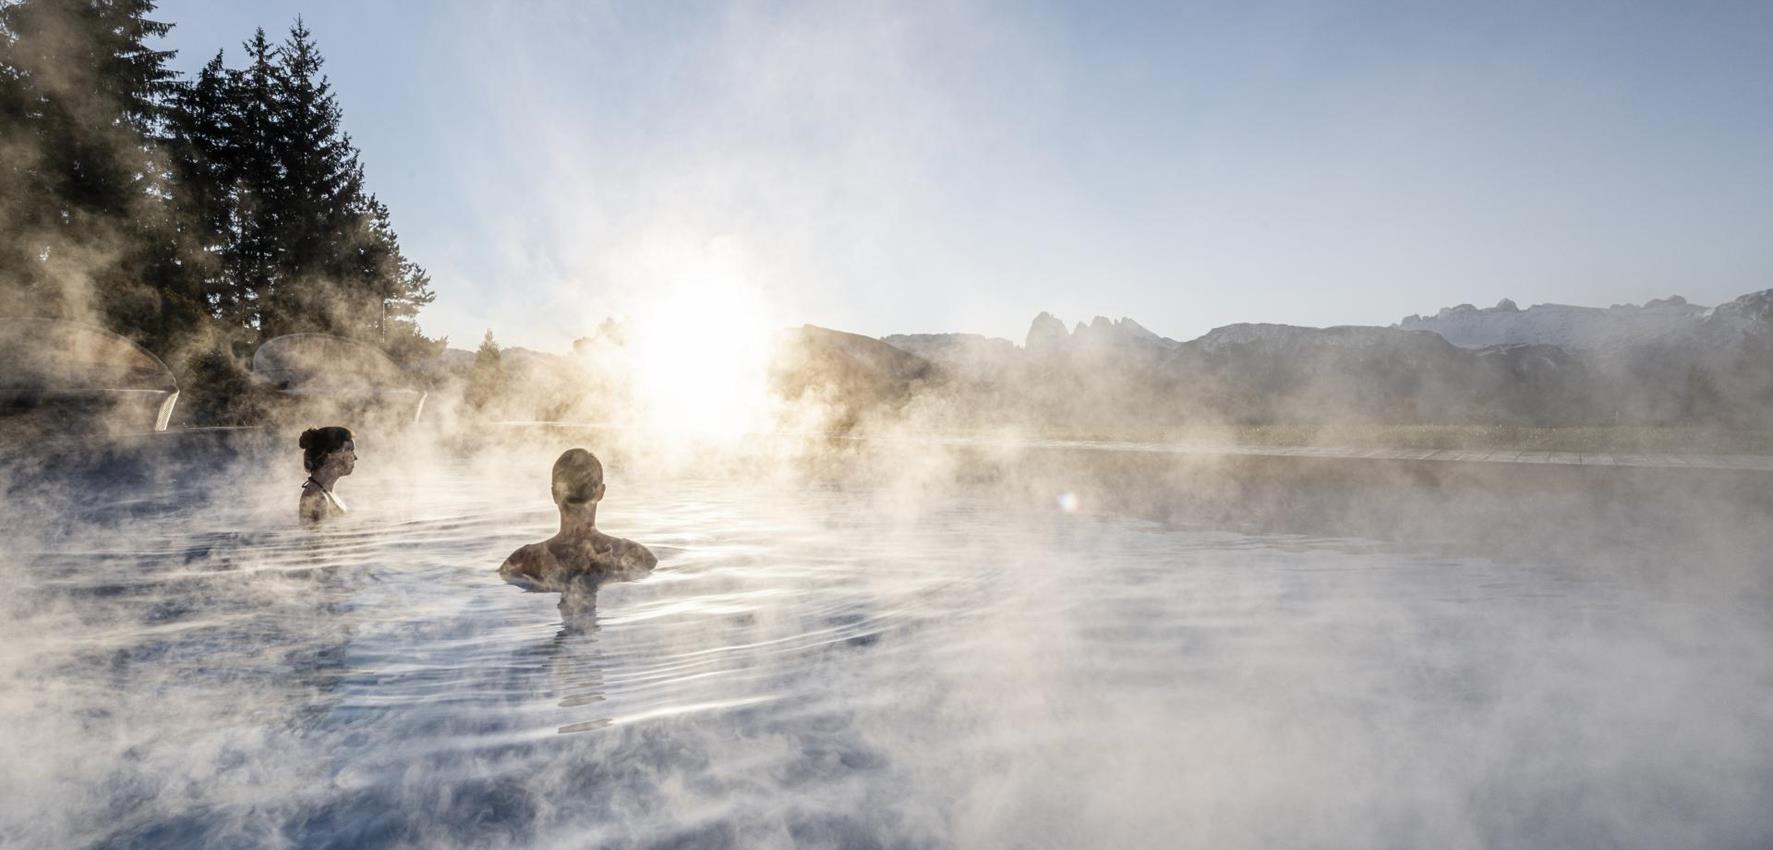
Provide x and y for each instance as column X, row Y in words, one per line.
column 821, row 668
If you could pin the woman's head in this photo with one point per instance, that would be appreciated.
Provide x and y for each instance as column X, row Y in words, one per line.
column 330, row 445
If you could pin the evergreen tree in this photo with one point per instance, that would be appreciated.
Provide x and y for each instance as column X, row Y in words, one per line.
column 323, row 216
column 167, row 210
column 252, row 256
column 400, row 286
column 200, row 149
column 85, row 230
column 340, row 268
column 486, row 379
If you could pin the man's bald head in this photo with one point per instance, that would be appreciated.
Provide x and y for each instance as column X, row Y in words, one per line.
column 578, row 479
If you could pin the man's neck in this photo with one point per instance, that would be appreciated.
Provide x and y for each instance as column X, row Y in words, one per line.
column 579, row 522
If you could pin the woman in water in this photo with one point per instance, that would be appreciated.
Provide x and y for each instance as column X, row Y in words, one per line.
column 329, row 454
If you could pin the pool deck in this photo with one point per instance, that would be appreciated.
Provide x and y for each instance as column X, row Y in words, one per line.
column 1646, row 460
column 1640, row 460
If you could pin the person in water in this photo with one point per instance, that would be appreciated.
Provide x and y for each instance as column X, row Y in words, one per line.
column 329, row 454
column 580, row 554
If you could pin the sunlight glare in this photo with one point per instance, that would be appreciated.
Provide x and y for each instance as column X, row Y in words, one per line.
column 700, row 361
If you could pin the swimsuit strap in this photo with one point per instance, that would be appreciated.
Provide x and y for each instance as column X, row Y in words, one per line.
column 334, row 500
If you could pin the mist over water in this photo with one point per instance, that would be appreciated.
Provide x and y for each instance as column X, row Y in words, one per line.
column 822, row 663
column 1093, row 587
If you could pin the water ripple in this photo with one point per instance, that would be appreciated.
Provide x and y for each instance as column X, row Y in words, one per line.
column 831, row 668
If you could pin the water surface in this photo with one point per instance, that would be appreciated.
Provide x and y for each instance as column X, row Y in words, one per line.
column 814, row 666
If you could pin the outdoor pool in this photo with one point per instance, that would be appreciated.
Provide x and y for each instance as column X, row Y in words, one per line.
column 821, row 666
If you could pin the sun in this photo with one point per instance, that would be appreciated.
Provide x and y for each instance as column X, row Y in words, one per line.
column 699, row 359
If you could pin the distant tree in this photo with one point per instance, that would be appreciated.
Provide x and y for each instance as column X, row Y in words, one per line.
column 1757, row 362
column 1701, row 402
column 486, row 379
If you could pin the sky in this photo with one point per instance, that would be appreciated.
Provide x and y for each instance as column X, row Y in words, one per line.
column 925, row 167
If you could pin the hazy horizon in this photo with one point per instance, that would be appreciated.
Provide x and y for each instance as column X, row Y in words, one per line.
column 962, row 167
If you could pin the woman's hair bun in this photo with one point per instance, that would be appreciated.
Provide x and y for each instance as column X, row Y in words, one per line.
column 317, row 443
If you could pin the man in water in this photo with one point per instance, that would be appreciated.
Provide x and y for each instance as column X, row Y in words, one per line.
column 579, row 554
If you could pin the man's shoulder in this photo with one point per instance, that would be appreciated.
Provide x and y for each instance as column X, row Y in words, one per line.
column 524, row 560
column 632, row 554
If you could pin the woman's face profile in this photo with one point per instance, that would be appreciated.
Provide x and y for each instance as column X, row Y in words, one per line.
column 344, row 459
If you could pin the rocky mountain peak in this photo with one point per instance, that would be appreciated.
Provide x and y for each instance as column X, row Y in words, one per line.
column 1046, row 334
column 1049, row 334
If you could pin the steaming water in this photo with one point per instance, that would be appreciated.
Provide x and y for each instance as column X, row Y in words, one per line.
column 826, row 668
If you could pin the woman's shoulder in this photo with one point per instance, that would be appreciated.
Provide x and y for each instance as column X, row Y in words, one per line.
column 313, row 504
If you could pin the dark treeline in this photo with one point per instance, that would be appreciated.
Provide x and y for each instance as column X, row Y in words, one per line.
column 197, row 216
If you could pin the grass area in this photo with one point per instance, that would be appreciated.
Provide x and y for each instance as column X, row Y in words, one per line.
column 1618, row 439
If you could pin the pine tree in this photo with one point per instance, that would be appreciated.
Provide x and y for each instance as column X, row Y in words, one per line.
column 27, row 214
column 166, row 209
column 401, row 288
column 200, row 148
column 340, row 266
column 86, row 230
column 252, row 256
column 486, row 379
column 323, row 214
